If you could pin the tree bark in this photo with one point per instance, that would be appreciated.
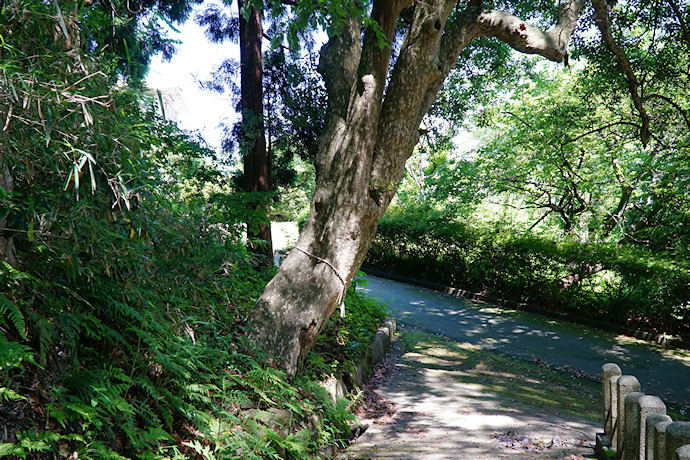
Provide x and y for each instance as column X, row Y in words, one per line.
column 257, row 164
column 601, row 18
column 372, row 128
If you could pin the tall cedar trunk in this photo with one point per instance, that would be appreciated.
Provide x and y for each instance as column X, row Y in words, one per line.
column 367, row 140
column 257, row 165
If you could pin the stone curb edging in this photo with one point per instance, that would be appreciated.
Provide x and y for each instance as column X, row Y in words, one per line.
column 338, row 387
column 660, row 339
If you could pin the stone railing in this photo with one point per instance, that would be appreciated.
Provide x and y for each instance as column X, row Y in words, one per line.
column 636, row 426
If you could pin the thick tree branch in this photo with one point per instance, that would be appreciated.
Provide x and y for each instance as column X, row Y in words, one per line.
column 338, row 63
column 681, row 21
column 458, row 32
column 416, row 68
column 673, row 104
column 375, row 59
column 551, row 44
column 600, row 129
column 601, row 16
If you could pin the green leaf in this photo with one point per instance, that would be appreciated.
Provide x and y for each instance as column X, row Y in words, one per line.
column 12, row 312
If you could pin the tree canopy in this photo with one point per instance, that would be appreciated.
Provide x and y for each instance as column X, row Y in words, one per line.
column 383, row 68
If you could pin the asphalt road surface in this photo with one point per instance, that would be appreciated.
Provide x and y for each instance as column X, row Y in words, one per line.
column 662, row 372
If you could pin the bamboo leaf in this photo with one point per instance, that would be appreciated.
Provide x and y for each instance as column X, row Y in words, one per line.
column 63, row 26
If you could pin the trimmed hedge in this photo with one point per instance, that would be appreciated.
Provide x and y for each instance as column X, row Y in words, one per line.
column 625, row 286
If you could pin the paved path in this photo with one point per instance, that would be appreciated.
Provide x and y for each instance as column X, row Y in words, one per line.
column 661, row 372
column 443, row 414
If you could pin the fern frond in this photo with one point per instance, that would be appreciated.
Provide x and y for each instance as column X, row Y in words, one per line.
column 7, row 394
column 7, row 449
column 9, row 310
column 12, row 354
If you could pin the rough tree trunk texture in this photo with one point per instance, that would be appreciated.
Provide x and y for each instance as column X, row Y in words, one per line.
column 257, row 165
column 372, row 128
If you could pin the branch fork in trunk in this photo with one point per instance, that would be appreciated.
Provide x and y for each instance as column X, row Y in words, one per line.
column 372, row 128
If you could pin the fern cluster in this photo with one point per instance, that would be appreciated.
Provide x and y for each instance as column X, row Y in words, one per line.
column 127, row 280
column 106, row 367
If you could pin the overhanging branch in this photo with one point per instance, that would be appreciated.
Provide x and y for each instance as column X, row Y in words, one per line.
column 601, row 16
column 673, row 104
column 551, row 44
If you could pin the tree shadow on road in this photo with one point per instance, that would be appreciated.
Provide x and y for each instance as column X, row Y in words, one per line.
column 454, row 400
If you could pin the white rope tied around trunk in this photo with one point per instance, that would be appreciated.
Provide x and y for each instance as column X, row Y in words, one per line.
column 337, row 273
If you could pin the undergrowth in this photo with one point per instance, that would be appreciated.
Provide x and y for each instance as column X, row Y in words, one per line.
column 145, row 372
column 345, row 339
column 151, row 362
column 623, row 285
column 137, row 350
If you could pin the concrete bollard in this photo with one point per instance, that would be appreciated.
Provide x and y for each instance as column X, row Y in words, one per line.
column 651, row 433
column 608, row 370
column 660, row 440
column 631, row 429
column 683, row 453
column 614, row 410
column 677, row 435
column 646, row 405
column 625, row 384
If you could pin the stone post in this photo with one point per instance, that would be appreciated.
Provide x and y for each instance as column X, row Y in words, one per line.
column 614, row 410
column 660, row 440
column 683, row 453
column 646, row 405
column 631, row 428
column 677, row 435
column 625, row 384
column 651, row 433
column 608, row 370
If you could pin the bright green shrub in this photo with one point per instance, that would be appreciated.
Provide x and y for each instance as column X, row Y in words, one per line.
column 626, row 286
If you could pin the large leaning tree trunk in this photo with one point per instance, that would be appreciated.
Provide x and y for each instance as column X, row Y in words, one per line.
column 257, row 164
column 372, row 128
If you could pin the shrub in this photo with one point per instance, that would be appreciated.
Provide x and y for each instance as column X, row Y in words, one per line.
column 627, row 286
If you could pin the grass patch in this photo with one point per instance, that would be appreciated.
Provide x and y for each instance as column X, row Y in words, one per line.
column 520, row 384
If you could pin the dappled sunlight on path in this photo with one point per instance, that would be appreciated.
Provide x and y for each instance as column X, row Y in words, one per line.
column 476, row 381
column 456, row 402
column 530, row 337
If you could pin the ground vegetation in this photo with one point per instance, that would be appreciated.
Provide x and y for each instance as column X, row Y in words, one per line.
column 124, row 278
